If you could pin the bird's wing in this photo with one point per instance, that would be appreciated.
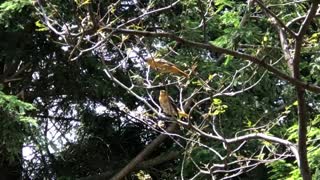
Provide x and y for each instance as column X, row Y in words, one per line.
column 163, row 61
column 167, row 104
column 163, row 65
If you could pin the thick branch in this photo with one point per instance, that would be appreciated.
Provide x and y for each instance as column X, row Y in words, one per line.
column 285, row 46
column 311, row 14
column 213, row 48
column 302, row 132
column 159, row 160
column 143, row 154
column 302, row 112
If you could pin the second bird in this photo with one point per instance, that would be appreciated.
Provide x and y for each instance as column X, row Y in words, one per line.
column 167, row 104
column 165, row 66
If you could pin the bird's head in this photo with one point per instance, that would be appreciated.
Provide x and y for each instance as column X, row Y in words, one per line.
column 163, row 92
column 149, row 60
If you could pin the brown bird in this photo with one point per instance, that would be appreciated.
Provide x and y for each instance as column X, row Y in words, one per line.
column 167, row 104
column 165, row 66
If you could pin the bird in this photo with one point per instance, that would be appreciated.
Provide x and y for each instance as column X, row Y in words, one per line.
column 165, row 66
column 167, row 104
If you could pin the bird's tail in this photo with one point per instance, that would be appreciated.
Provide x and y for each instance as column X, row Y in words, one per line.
column 178, row 71
column 183, row 114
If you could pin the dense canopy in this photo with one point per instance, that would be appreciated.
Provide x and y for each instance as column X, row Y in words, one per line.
column 85, row 88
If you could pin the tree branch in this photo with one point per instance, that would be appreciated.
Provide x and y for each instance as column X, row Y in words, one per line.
column 302, row 112
column 213, row 48
column 158, row 160
column 144, row 153
column 279, row 21
column 299, row 19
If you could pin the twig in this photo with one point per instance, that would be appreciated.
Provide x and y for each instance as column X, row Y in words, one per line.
column 280, row 22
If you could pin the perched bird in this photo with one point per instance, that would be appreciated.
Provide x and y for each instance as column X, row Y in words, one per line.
column 167, row 104
column 165, row 66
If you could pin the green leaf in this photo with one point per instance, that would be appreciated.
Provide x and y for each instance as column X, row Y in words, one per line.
column 216, row 101
column 41, row 27
column 229, row 58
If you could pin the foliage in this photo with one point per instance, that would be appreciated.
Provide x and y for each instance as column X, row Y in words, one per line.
column 14, row 118
column 9, row 10
column 81, row 64
column 286, row 170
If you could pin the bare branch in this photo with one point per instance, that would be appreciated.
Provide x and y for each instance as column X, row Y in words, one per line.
column 145, row 152
column 280, row 22
column 149, row 13
column 299, row 19
column 311, row 14
column 213, row 48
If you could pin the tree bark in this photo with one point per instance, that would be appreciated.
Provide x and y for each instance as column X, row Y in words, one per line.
column 302, row 131
column 144, row 153
column 302, row 112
